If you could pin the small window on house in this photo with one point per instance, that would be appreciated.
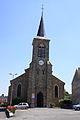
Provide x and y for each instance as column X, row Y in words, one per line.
column 56, row 92
column 19, row 90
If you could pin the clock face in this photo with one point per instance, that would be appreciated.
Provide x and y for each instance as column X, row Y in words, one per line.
column 41, row 62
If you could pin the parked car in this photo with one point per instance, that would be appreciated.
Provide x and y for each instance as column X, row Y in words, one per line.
column 3, row 107
column 22, row 105
column 76, row 107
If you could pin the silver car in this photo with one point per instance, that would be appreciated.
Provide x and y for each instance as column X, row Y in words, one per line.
column 22, row 105
column 76, row 107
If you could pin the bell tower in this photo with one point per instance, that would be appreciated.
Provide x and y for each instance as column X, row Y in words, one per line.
column 40, row 68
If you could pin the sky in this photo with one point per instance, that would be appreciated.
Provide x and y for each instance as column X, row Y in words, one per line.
column 19, row 22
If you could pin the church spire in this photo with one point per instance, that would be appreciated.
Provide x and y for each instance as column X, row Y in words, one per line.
column 41, row 26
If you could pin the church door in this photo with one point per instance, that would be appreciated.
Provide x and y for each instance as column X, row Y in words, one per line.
column 39, row 99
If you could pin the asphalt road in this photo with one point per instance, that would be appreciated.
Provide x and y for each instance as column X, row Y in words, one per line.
column 43, row 114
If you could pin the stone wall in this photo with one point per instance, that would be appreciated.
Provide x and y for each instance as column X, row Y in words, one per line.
column 76, row 87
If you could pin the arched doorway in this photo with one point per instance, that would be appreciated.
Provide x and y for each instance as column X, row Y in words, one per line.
column 39, row 99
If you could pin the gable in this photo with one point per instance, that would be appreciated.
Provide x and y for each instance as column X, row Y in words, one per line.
column 55, row 79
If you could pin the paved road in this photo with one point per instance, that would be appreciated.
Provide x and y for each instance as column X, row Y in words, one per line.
column 43, row 114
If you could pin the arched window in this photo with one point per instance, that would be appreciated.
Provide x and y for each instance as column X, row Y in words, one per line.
column 19, row 90
column 56, row 91
column 41, row 51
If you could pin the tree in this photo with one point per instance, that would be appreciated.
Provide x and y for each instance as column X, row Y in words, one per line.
column 16, row 101
column 67, row 96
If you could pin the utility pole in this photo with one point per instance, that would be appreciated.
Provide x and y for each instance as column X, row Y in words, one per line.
column 12, row 87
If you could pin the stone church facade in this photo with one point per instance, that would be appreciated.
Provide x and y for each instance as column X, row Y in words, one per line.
column 37, row 85
column 76, row 87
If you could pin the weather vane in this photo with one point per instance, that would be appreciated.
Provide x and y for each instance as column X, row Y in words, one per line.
column 42, row 7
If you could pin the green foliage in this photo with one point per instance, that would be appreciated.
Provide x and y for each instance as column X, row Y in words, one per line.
column 17, row 101
column 65, row 103
column 67, row 96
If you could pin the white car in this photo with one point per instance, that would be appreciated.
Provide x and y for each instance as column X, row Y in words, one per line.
column 22, row 105
column 76, row 107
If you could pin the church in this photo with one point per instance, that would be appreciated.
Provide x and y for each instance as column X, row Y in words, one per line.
column 37, row 85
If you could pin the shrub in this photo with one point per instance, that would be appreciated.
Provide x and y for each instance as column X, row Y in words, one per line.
column 65, row 103
column 16, row 101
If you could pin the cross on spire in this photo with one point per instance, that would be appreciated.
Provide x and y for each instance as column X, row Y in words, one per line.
column 42, row 9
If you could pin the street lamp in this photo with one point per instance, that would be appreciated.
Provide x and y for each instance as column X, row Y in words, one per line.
column 11, row 87
column 12, row 75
